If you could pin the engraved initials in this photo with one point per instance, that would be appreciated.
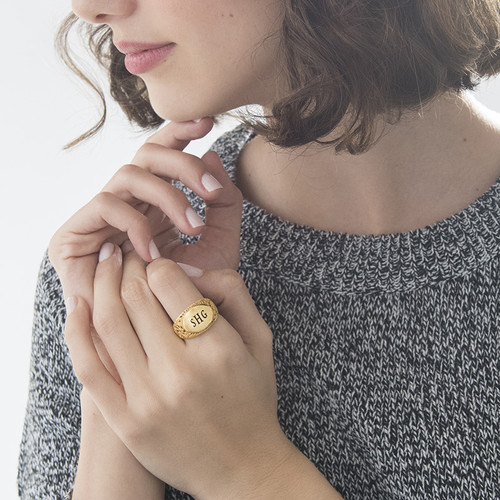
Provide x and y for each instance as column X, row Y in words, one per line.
column 198, row 318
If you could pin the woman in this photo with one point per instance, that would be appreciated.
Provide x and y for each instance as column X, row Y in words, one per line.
column 369, row 243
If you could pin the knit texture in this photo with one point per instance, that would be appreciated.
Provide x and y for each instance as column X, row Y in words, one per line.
column 387, row 354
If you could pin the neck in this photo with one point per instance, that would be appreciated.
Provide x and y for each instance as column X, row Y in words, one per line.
column 425, row 168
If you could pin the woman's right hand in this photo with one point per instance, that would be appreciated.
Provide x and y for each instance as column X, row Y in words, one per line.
column 139, row 203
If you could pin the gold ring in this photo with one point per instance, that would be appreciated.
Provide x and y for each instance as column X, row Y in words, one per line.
column 196, row 319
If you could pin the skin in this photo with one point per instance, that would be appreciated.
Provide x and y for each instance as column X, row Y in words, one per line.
column 113, row 462
column 221, row 59
column 424, row 169
column 180, row 395
column 131, row 442
column 421, row 171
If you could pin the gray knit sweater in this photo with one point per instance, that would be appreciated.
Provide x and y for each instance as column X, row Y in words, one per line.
column 387, row 354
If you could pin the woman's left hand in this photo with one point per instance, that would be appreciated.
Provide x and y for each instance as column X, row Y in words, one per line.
column 200, row 414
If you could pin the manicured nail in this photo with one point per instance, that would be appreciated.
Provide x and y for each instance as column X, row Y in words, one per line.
column 70, row 304
column 193, row 218
column 210, row 183
column 153, row 250
column 191, row 271
column 106, row 251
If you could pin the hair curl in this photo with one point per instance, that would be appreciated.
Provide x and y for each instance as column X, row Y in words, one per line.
column 346, row 62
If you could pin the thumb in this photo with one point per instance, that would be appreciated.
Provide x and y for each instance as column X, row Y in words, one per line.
column 229, row 293
column 177, row 135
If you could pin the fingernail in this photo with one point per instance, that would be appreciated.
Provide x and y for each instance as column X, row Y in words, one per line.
column 70, row 304
column 210, row 183
column 106, row 251
column 193, row 272
column 127, row 246
column 193, row 218
column 153, row 250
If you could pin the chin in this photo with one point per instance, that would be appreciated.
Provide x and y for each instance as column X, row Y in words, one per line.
column 175, row 113
column 178, row 109
column 178, row 106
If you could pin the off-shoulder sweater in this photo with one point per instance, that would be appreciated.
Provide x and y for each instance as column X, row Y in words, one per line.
column 387, row 354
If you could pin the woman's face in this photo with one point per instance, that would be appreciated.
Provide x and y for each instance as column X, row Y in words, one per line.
column 219, row 58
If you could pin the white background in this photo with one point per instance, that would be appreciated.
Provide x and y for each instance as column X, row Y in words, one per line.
column 42, row 108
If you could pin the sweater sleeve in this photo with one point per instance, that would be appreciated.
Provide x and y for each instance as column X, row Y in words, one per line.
column 51, row 434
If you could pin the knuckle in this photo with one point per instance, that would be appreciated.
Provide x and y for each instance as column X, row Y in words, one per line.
column 54, row 250
column 145, row 150
column 162, row 273
column 221, row 353
column 131, row 432
column 231, row 280
column 102, row 199
column 127, row 170
column 62, row 248
column 135, row 291
column 138, row 223
column 146, row 410
column 140, row 219
column 227, row 354
column 84, row 374
column 149, row 407
column 149, row 154
column 236, row 193
column 121, row 178
column 105, row 324
column 193, row 162
column 183, row 389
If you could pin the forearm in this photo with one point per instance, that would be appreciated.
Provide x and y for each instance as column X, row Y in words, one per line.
column 295, row 479
column 282, row 473
column 106, row 468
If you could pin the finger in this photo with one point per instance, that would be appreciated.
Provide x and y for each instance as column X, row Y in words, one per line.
column 167, row 240
column 78, row 278
column 105, row 210
column 229, row 292
column 170, row 164
column 150, row 321
column 104, row 355
column 223, row 214
column 134, row 182
column 104, row 389
column 110, row 317
column 177, row 135
column 176, row 292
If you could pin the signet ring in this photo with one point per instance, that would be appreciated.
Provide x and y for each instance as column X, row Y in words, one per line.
column 196, row 319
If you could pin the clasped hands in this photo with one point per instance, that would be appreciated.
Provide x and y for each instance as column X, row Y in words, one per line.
column 198, row 414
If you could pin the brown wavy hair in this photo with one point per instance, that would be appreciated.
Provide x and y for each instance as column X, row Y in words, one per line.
column 346, row 63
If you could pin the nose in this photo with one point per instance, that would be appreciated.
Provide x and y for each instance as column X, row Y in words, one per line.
column 102, row 11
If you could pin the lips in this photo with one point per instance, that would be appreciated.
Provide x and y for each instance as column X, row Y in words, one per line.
column 133, row 47
column 142, row 57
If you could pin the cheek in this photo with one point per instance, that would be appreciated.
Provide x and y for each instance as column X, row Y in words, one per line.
column 205, row 82
column 189, row 96
column 219, row 64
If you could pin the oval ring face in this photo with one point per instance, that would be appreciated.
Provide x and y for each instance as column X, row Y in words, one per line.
column 198, row 319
